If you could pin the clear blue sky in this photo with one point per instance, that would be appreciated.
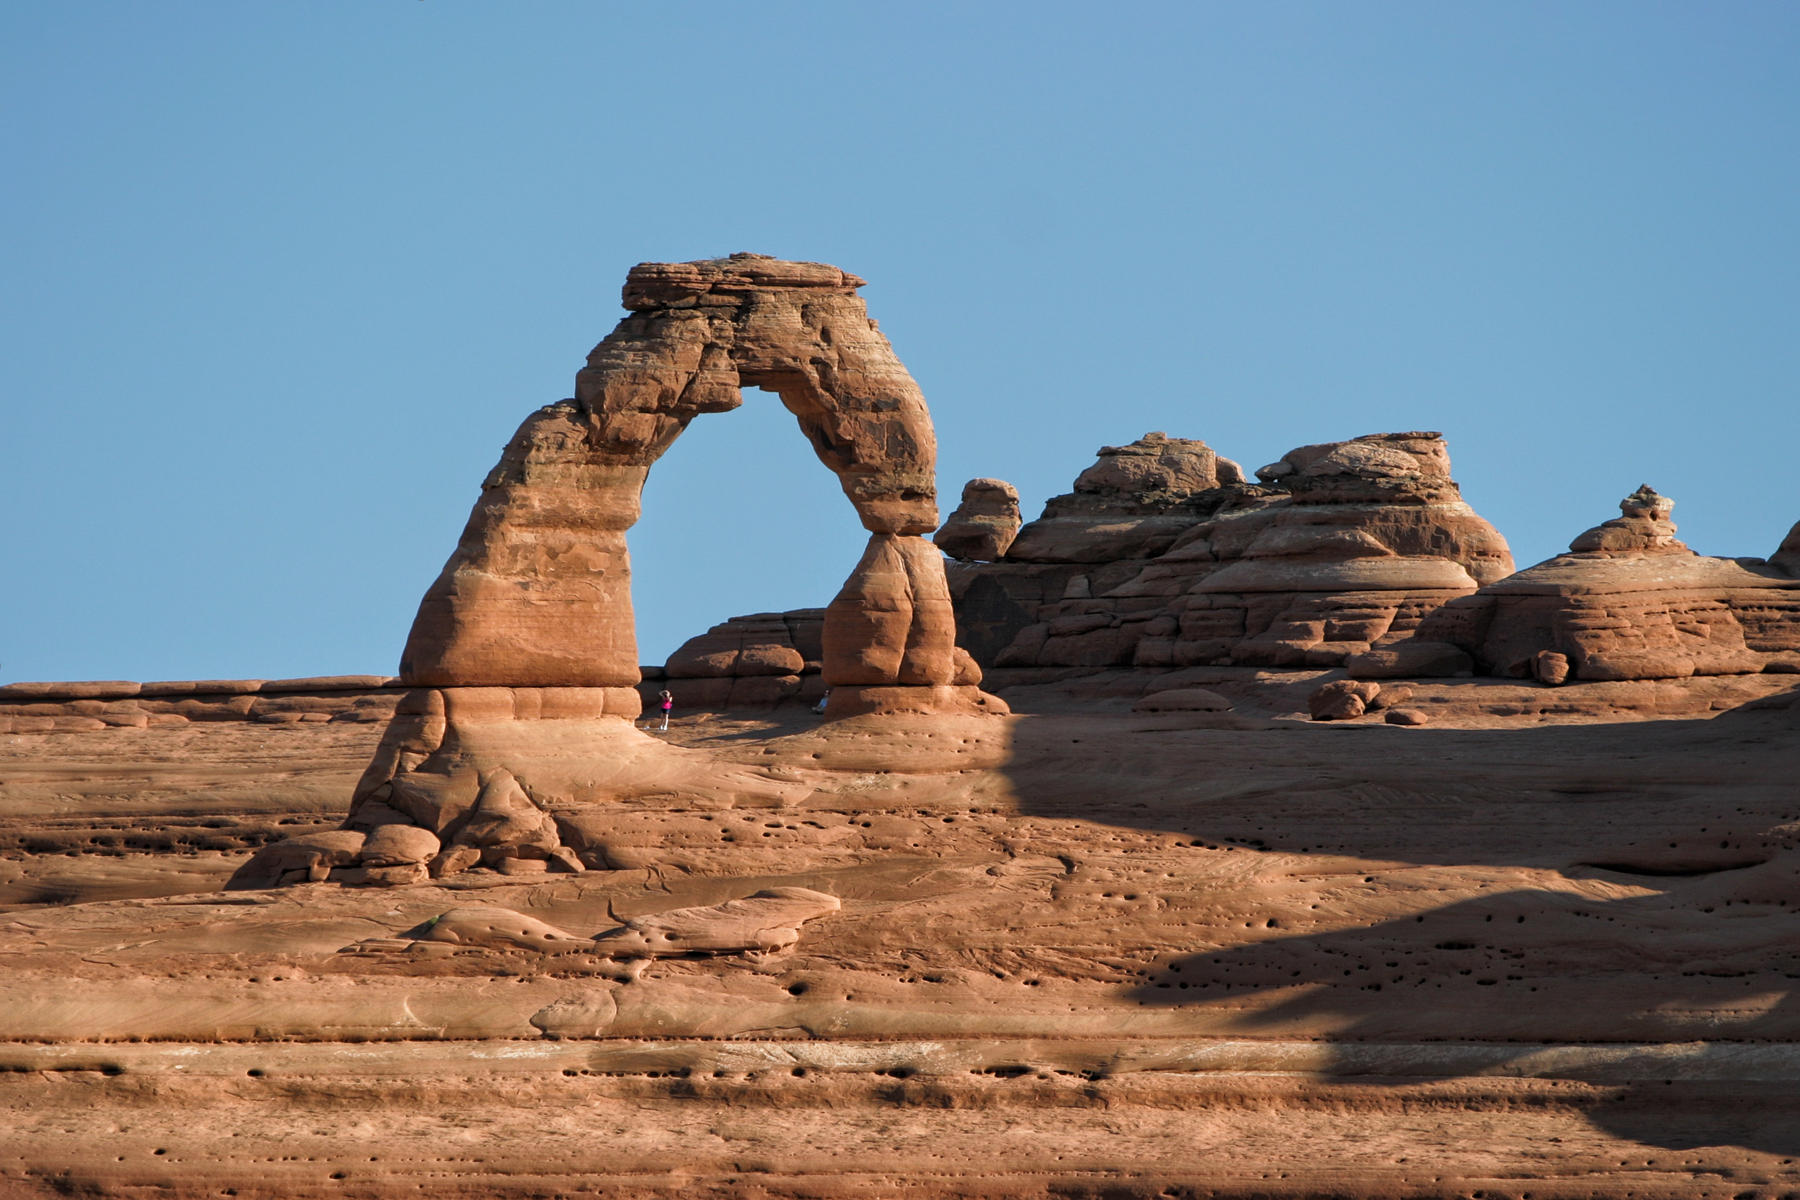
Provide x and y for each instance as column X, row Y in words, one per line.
column 281, row 279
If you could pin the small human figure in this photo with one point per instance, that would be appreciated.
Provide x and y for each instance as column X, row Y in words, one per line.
column 823, row 701
column 668, row 702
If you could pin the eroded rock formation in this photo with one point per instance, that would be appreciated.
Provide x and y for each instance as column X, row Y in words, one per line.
column 1627, row 602
column 523, row 657
column 753, row 661
column 537, row 593
column 1164, row 556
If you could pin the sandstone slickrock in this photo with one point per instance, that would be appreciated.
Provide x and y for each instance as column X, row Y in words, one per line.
column 1344, row 546
column 764, row 922
column 1627, row 602
column 984, row 523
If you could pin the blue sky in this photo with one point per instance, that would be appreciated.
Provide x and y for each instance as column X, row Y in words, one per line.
column 282, row 279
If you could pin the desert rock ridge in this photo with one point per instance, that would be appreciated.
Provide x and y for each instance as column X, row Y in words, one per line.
column 1108, row 871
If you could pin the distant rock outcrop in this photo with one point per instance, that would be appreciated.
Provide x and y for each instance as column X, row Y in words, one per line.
column 753, row 661
column 1164, row 556
column 1627, row 602
column 1132, row 503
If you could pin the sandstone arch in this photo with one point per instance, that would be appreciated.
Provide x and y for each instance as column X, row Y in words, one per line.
column 526, row 641
column 537, row 593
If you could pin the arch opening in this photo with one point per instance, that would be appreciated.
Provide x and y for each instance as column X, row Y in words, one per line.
column 751, row 504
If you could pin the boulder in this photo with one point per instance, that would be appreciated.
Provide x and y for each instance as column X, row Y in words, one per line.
column 984, row 523
column 1342, row 699
column 1192, row 699
column 399, row 845
column 306, row 857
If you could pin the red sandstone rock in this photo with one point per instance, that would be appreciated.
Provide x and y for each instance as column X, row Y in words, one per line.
column 984, row 524
column 1346, row 549
column 892, row 624
column 760, row 644
column 1628, row 602
column 1391, row 695
column 1787, row 556
column 1132, row 503
column 1410, row 659
column 1643, row 527
column 538, row 591
column 307, row 857
column 397, row 845
column 1342, row 699
column 767, row 921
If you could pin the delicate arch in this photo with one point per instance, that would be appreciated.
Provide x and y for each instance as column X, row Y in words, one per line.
column 537, row 593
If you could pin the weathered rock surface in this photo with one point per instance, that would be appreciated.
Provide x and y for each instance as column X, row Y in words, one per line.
column 1342, row 699
column 1627, row 602
column 537, row 593
column 984, row 523
column 1069, row 940
column 96, row 706
column 1345, row 546
column 523, row 656
column 747, row 662
column 765, row 922
column 1787, row 557
column 1132, row 503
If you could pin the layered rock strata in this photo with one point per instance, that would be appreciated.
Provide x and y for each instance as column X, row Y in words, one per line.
column 1627, row 602
column 1164, row 556
column 92, row 706
column 754, row 661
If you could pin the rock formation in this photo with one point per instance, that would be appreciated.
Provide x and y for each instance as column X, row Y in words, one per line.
column 1627, row 602
column 1131, row 504
column 537, row 593
column 1787, row 557
column 1164, row 557
column 753, row 661
column 984, row 524
column 523, row 656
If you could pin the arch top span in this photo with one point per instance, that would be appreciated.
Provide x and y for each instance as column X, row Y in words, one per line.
column 700, row 332
column 537, row 593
